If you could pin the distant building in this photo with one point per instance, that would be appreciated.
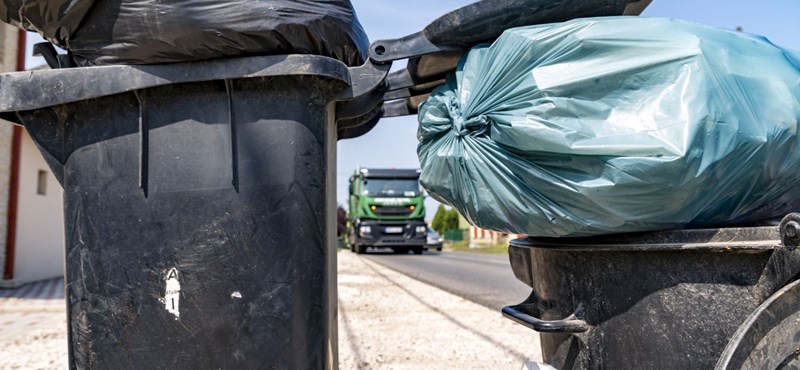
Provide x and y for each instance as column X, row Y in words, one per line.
column 483, row 236
column 476, row 235
column 31, row 215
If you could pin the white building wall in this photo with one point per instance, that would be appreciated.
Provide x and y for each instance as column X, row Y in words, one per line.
column 40, row 219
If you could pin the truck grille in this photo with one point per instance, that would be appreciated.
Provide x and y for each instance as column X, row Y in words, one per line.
column 392, row 211
column 393, row 240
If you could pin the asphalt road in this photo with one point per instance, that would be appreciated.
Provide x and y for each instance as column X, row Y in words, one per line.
column 485, row 279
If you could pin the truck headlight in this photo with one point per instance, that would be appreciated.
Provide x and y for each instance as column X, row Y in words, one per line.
column 364, row 230
column 421, row 229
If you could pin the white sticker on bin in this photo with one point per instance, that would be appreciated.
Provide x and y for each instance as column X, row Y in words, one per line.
column 172, row 295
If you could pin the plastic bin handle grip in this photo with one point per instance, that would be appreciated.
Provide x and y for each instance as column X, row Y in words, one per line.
column 570, row 324
column 485, row 20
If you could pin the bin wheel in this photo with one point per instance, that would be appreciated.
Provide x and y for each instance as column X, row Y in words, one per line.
column 417, row 250
column 767, row 339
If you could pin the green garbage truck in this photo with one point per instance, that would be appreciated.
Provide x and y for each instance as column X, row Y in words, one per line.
column 386, row 210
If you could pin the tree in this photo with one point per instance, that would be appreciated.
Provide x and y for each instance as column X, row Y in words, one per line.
column 438, row 220
column 451, row 220
column 445, row 220
column 341, row 220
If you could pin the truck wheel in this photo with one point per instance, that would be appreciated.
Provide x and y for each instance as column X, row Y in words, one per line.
column 400, row 250
column 361, row 249
column 417, row 250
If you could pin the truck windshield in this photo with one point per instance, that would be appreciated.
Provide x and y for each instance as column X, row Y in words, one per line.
column 391, row 187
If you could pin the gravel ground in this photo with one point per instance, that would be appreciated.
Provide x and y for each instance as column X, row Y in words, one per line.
column 390, row 321
column 33, row 340
column 386, row 321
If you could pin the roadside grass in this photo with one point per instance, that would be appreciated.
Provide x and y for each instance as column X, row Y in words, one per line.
column 463, row 246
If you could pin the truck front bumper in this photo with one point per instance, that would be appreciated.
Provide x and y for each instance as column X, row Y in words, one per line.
column 391, row 233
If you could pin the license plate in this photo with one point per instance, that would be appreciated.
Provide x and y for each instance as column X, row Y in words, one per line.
column 393, row 230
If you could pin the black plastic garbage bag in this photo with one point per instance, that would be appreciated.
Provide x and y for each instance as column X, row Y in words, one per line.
column 165, row 31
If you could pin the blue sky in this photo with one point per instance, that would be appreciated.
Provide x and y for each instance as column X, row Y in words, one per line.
column 393, row 142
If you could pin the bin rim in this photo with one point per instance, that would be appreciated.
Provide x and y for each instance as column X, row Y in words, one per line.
column 30, row 90
column 731, row 240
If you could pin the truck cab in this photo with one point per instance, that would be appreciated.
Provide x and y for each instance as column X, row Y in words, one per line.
column 386, row 209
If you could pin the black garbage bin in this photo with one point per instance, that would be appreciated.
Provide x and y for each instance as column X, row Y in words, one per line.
column 686, row 299
column 199, row 206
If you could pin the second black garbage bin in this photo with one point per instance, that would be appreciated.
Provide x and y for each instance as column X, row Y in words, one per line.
column 665, row 300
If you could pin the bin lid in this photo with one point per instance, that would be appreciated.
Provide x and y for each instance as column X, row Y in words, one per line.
column 29, row 90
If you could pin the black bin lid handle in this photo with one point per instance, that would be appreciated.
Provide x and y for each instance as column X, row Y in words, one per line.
column 484, row 21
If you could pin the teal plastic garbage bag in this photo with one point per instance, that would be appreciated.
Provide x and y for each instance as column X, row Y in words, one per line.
column 615, row 125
